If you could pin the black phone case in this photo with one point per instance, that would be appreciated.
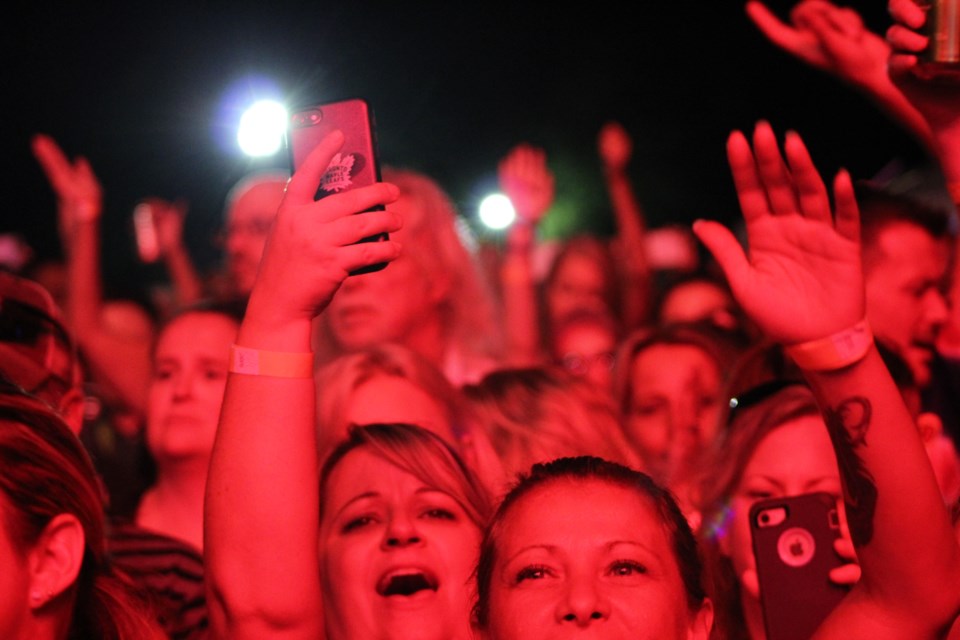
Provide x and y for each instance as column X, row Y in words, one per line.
column 794, row 558
column 356, row 165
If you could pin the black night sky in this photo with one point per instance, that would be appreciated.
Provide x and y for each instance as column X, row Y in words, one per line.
column 150, row 94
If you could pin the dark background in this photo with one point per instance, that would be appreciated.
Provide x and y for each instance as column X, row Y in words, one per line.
column 151, row 95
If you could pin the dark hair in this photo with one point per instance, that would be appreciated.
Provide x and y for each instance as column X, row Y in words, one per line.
column 591, row 468
column 45, row 472
column 880, row 207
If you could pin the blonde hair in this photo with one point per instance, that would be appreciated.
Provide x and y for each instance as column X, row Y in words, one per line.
column 337, row 381
column 441, row 243
column 538, row 414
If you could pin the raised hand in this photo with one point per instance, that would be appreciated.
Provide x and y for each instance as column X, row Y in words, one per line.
column 938, row 102
column 312, row 246
column 528, row 182
column 828, row 37
column 614, row 146
column 801, row 279
column 77, row 188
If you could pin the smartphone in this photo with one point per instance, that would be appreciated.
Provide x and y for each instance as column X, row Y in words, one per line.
column 793, row 546
column 145, row 231
column 356, row 165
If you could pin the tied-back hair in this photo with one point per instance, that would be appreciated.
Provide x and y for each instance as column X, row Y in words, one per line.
column 45, row 472
column 420, row 453
column 580, row 469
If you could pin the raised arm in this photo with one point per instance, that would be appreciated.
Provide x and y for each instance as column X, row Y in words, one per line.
column 117, row 356
column 262, row 505
column 615, row 149
column 801, row 282
column 169, row 218
column 835, row 40
column 528, row 182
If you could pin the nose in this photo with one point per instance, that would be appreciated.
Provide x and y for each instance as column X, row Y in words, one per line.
column 937, row 309
column 583, row 603
column 183, row 384
column 401, row 532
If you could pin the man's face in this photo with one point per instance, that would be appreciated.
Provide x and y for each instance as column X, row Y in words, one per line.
column 248, row 225
column 905, row 273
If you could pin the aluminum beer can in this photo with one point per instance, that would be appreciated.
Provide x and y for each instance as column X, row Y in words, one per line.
column 940, row 61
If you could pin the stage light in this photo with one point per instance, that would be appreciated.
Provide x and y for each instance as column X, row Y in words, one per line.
column 261, row 128
column 496, row 211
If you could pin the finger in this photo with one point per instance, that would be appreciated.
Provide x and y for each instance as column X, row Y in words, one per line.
column 750, row 583
column 351, row 229
column 53, row 161
column 743, row 167
column 778, row 32
column 907, row 12
column 848, row 21
column 813, row 197
column 904, row 40
column 843, row 546
column 900, row 64
column 354, row 201
column 86, row 177
column 726, row 251
column 846, row 575
column 773, row 172
column 845, row 204
column 303, row 185
column 365, row 254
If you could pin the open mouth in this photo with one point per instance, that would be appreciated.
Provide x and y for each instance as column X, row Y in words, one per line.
column 406, row 582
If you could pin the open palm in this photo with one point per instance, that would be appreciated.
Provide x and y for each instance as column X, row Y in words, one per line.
column 801, row 279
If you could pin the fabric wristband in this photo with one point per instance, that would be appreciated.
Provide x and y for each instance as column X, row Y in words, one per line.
column 835, row 351
column 277, row 364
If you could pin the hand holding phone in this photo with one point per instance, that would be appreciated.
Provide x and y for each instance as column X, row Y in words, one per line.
column 793, row 543
column 356, row 165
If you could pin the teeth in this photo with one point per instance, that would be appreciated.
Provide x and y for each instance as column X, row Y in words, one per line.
column 405, row 584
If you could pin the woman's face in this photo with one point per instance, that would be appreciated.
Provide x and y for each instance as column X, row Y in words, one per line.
column 673, row 406
column 385, row 398
column 588, row 350
column 578, row 285
column 793, row 459
column 186, row 391
column 396, row 555
column 391, row 305
column 583, row 559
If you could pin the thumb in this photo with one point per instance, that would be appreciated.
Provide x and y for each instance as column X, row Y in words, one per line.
column 725, row 250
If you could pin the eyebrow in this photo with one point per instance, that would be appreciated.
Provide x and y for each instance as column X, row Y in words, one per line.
column 357, row 498
column 546, row 547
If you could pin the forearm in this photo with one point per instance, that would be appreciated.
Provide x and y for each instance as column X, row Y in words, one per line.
column 262, row 505
column 183, row 275
column 84, row 290
column 520, row 309
column 897, row 521
column 626, row 208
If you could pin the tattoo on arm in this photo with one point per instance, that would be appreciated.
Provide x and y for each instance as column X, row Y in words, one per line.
column 848, row 424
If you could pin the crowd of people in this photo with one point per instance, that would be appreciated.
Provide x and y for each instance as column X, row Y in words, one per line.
column 442, row 451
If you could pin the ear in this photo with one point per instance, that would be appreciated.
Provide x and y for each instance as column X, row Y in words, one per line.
column 702, row 621
column 71, row 409
column 930, row 425
column 56, row 559
column 439, row 285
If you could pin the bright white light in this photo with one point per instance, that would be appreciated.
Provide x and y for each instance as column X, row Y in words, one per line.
column 261, row 128
column 496, row 211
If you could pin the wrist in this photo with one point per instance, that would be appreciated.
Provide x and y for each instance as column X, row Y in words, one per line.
column 836, row 351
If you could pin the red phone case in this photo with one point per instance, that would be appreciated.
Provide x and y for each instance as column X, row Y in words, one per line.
column 356, row 165
column 794, row 557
